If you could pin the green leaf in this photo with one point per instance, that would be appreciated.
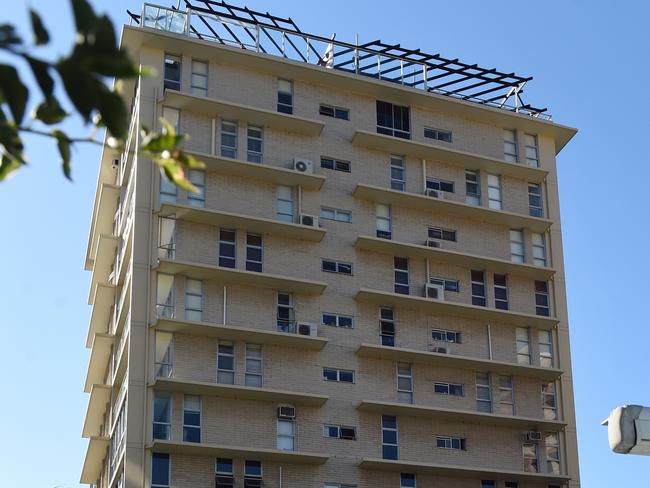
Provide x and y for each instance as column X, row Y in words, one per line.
column 113, row 112
column 14, row 92
column 41, row 35
column 63, row 143
column 50, row 112
column 41, row 69
column 8, row 36
column 8, row 165
column 166, row 141
column 175, row 173
column 80, row 86
column 84, row 16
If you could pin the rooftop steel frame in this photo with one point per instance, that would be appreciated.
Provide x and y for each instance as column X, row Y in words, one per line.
column 242, row 27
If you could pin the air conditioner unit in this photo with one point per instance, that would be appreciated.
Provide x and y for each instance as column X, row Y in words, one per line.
column 310, row 220
column 438, row 349
column 432, row 243
column 307, row 329
column 286, row 412
column 436, row 292
column 303, row 165
column 430, row 192
column 532, row 436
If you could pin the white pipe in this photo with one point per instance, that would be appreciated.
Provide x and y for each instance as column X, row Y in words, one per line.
column 213, row 137
column 489, row 333
column 280, row 486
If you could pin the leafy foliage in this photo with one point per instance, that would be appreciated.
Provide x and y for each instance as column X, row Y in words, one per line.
column 94, row 57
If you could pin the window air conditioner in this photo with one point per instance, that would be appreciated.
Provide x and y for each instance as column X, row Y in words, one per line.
column 286, row 412
column 303, row 165
column 438, row 349
column 436, row 292
column 430, row 192
column 532, row 436
column 307, row 329
column 310, row 220
column 432, row 243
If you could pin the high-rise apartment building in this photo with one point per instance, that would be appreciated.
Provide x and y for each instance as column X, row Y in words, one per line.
column 366, row 291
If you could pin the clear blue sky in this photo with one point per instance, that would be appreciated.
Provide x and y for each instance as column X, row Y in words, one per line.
column 588, row 59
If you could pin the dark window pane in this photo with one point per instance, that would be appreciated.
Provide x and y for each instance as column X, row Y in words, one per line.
column 500, row 279
column 329, row 319
column 330, row 374
column 191, row 418
column 447, row 186
column 478, row 275
column 389, row 422
column 389, row 452
column 326, row 110
column 224, row 465
column 401, row 263
column 253, row 468
column 329, row 266
column 285, row 109
column 254, row 254
column 346, row 376
column 388, row 341
column 440, row 388
column 456, row 390
column 345, row 321
column 541, row 286
column 327, row 163
column 342, row 114
column 478, row 301
column 191, row 434
column 345, row 268
column 386, row 313
column 389, row 437
column 449, row 235
column 160, row 469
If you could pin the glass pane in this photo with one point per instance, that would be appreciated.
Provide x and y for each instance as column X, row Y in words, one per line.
column 160, row 469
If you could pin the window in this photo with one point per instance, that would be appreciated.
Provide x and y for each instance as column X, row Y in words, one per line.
column 510, row 152
column 225, row 475
column 446, row 335
column 532, row 150
column 453, row 389
column 284, row 204
column 199, row 79
column 327, row 213
column 336, row 112
column 506, row 399
column 168, row 190
column 404, row 383
column 336, row 267
column 383, row 221
column 444, row 234
column 483, row 392
column 387, row 326
column 446, row 442
column 542, row 303
column 530, row 457
column 472, row 187
column 164, row 354
column 286, row 321
column 173, row 116
column 162, row 415
column 478, row 288
column 407, row 480
column 337, row 320
column 197, row 178
column 285, row 96
column 339, row 432
column 448, row 285
column 393, row 120
column 192, row 418
column 517, row 254
column 549, row 403
column 254, row 250
column 172, row 72
column 539, row 249
column 440, row 185
column 254, row 144
column 193, row 300
column 552, row 444
column 401, row 268
column 167, row 237
column 227, row 247
column 160, row 470
column 165, row 296
column 500, row 291
column 494, row 191
column 252, row 474
column 535, row 205
column 389, row 439
column 335, row 164
column 286, row 435
column 228, row 139
column 523, row 345
column 254, row 365
column 397, row 173
column 438, row 135
column 225, row 363
column 341, row 375
column 545, row 348
column 488, row 484
column 511, row 484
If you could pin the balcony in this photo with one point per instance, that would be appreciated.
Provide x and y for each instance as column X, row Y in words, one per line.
column 463, row 471
column 219, row 450
column 474, row 212
column 104, row 259
column 100, row 395
column 241, row 277
column 237, row 111
column 95, row 455
column 437, row 307
column 264, row 172
column 102, row 301
column 446, row 256
column 105, row 208
column 460, row 159
column 99, row 357
column 249, row 334
column 456, row 415
column 238, row 392
column 442, row 360
column 258, row 225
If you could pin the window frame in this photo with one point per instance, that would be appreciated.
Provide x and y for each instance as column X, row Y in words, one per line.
column 500, row 302
column 535, row 207
column 549, row 391
column 197, row 199
column 438, row 184
column 495, row 192
column 512, row 155
column 487, row 386
column 338, row 372
column 337, row 212
column 449, row 285
column 198, row 90
column 477, row 299
column 161, row 455
column 337, row 320
column 442, row 232
column 532, row 466
column 517, row 247
column 253, row 156
column 224, row 258
column 169, row 83
column 530, row 160
column 190, row 426
column 383, row 221
column 282, row 215
column 397, row 113
column 285, row 107
column 523, row 357
column 438, row 134
column 167, row 250
column 166, row 426
column 545, row 349
column 287, row 325
column 342, row 165
column 222, row 354
column 449, row 387
column 402, row 393
column 166, row 362
column 398, row 184
column 384, row 430
column 541, row 309
column 252, row 264
column 446, row 335
column 506, row 395
column 229, row 151
column 340, row 267
column 472, row 197
column 336, row 111
column 339, row 434
column 400, row 287
column 167, row 309
column 386, row 336
column 282, row 436
column 451, row 442
column 539, row 249
column 189, row 311
column 248, row 374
